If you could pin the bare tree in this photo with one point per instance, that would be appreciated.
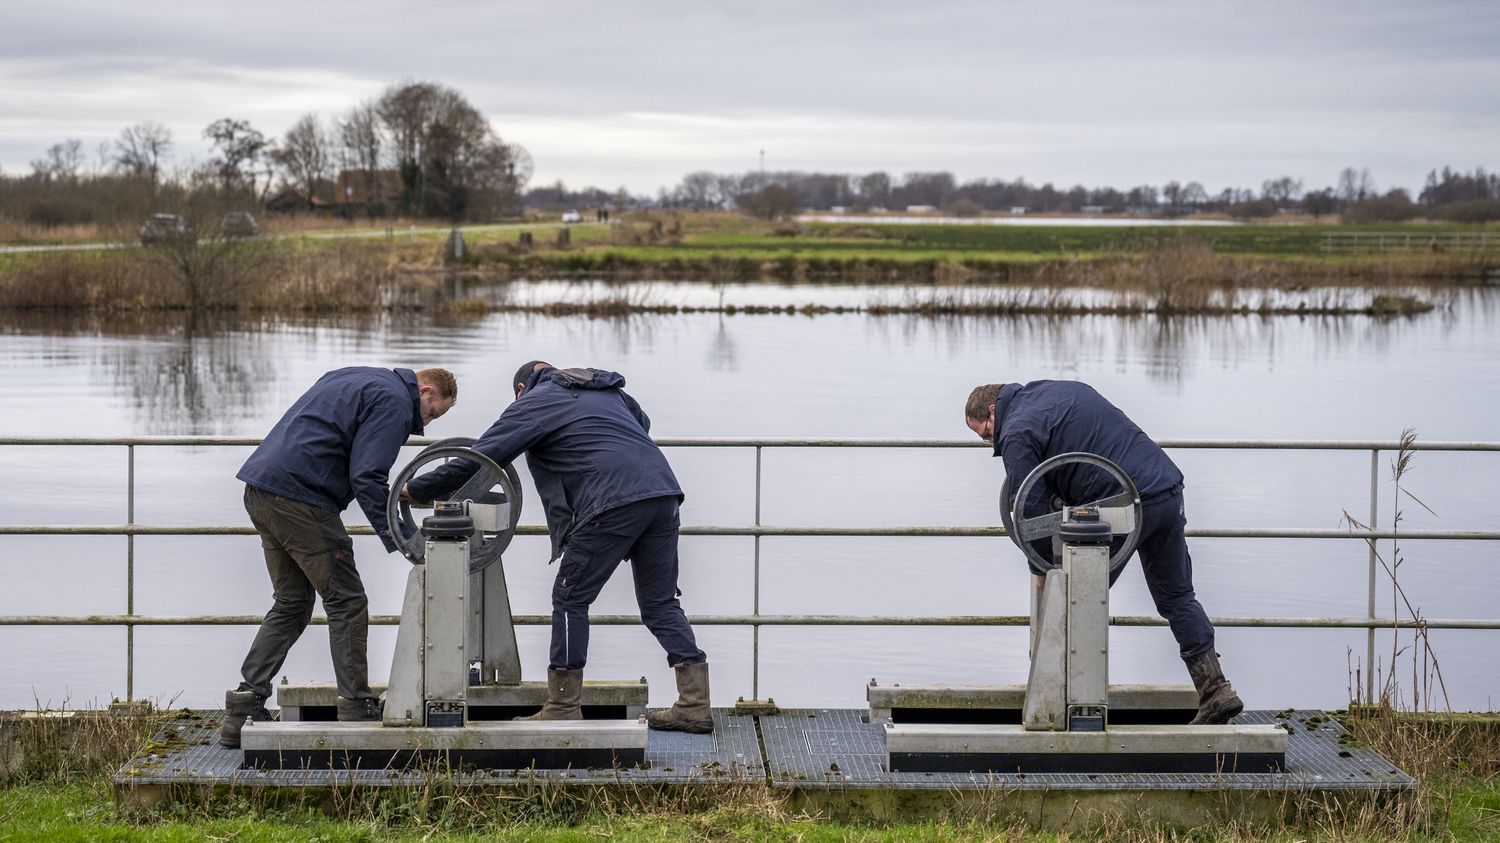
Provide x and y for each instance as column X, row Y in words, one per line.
column 306, row 156
column 62, row 163
column 362, row 148
column 240, row 148
column 1194, row 195
column 1355, row 185
column 140, row 150
column 1171, row 193
column 700, row 190
column 1281, row 192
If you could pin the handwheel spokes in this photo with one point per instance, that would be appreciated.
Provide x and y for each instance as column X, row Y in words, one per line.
column 480, row 482
column 1121, row 511
column 1039, row 527
column 487, row 481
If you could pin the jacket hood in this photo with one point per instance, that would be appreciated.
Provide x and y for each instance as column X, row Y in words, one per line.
column 585, row 378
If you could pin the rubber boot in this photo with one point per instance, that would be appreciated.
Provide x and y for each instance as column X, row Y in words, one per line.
column 564, row 690
column 1217, row 701
column 690, row 712
column 365, row 708
column 240, row 706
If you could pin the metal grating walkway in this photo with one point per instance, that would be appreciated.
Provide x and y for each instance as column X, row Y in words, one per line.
column 809, row 749
column 834, row 748
column 187, row 751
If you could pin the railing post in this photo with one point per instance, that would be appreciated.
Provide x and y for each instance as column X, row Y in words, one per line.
column 130, row 573
column 755, row 609
column 1370, row 593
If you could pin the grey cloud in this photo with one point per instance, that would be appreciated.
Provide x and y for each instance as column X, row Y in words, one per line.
column 1233, row 92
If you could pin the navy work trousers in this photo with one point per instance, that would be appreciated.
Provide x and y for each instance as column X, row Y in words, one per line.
column 1169, row 572
column 645, row 532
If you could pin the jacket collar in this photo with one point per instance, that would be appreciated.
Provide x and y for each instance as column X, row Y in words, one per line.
column 409, row 378
column 1002, row 407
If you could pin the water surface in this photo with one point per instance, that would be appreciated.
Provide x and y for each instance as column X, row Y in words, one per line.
column 710, row 375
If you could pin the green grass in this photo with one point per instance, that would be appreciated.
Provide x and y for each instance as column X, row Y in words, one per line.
column 1466, row 810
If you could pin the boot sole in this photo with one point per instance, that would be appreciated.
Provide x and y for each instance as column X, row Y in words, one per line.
column 694, row 727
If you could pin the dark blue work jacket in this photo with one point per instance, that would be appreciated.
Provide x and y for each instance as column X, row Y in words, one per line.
column 1042, row 419
column 586, row 442
column 338, row 441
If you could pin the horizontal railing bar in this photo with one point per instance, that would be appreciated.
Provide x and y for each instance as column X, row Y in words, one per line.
column 776, row 620
column 1253, row 444
column 750, row 530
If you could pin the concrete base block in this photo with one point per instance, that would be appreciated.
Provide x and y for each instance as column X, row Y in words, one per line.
column 1004, row 703
column 519, row 745
column 1003, row 748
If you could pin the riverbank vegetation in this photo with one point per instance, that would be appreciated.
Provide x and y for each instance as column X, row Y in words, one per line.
column 927, row 269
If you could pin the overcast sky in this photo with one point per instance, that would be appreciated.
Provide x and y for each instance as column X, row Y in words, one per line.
column 639, row 93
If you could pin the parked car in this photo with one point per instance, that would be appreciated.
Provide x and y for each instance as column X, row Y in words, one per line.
column 240, row 224
column 166, row 228
column 572, row 216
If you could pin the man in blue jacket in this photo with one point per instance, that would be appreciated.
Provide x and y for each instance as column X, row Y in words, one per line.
column 334, row 445
column 609, row 495
column 1028, row 423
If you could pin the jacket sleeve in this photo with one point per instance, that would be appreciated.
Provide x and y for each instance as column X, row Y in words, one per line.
column 507, row 438
column 635, row 410
column 559, row 515
column 378, row 437
column 1021, row 450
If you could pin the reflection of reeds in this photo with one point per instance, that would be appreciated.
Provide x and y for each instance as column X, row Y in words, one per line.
column 357, row 277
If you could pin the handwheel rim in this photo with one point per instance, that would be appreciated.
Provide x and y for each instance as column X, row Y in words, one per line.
column 398, row 512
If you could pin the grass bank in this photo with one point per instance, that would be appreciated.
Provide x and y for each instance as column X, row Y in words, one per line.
column 947, row 270
column 63, row 793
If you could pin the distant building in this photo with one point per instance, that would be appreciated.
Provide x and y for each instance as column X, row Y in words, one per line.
column 839, row 209
column 1093, row 210
column 371, row 192
column 1018, row 210
column 289, row 200
column 920, row 209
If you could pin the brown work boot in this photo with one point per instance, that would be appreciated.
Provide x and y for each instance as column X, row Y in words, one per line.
column 1217, row 701
column 240, row 706
column 362, row 709
column 564, row 690
column 690, row 712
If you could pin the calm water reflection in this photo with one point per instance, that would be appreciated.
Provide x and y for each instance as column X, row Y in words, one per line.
column 711, row 375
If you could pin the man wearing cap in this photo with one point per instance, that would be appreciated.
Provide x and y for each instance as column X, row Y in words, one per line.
column 334, row 445
column 609, row 496
column 1029, row 423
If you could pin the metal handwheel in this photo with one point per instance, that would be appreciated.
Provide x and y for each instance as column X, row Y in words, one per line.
column 1122, row 512
column 490, row 485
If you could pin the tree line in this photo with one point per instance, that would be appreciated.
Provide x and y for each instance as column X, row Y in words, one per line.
column 1448, row 194
column 419, row 149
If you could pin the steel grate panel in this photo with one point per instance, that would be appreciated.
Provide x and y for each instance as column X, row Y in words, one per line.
column 187, row 751
column 818, row 748
column 835, row 748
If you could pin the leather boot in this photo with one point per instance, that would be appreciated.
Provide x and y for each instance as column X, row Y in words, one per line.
column 240, row 706
column 690, row 712
column 564, row 690
column 1217, row 701
column 364, row 708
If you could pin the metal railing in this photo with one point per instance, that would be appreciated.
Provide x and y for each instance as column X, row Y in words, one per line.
column 756, row 531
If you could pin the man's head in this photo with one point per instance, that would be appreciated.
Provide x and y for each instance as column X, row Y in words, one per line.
column 523, row 374
column 979, row 410
column 437, row 392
